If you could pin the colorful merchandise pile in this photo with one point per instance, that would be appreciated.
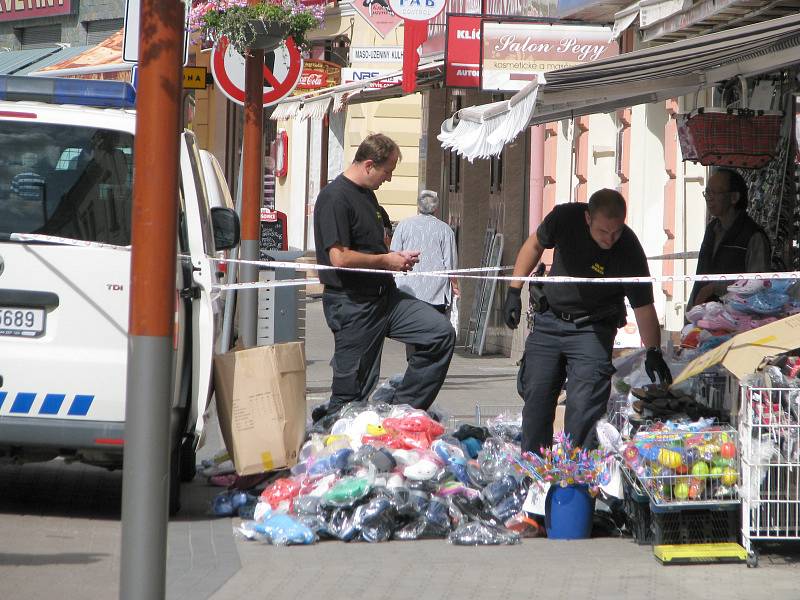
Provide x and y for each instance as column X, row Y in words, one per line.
column 391, row 472
column 749, row 303
column 685, row 462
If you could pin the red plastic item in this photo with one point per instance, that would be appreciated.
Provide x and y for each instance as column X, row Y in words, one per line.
column 281, row 490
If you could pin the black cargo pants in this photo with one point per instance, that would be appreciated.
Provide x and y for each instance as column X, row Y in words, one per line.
column 360, row 324
column 557, row 351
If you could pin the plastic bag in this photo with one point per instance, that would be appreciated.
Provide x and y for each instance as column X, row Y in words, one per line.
column 375, row 520
column 280, row 493
column 480, row 534
column 506, row 426
column 283, row 530
column 349, row 490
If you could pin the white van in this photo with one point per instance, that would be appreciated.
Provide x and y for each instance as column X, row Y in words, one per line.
column 66, row 170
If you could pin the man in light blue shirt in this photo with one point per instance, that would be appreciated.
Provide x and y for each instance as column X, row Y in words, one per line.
column 436, row 243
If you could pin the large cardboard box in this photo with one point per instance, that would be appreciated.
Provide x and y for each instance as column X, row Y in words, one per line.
column 744, row 352
column 261, row 404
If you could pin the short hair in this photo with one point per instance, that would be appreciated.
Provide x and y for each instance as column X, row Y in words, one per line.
column 609, row 202
column 376, row 147
column 736, row 183
column 427, row 202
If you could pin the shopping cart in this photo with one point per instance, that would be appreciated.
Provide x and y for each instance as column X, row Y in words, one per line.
column 769, row 428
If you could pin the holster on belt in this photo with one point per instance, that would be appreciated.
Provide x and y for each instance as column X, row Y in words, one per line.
column 613, row 314
column 539, row 301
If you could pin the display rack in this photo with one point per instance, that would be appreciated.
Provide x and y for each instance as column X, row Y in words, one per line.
column 769, row 427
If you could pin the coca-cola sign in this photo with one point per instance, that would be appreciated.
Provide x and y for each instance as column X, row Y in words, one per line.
column 318, row 74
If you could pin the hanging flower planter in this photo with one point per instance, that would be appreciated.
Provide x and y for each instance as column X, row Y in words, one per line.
column 255, row 26
column 265, row 35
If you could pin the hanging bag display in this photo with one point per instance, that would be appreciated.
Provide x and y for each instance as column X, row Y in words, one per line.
column 730, row 137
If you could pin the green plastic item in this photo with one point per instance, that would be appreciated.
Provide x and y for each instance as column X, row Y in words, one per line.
column 347, row 491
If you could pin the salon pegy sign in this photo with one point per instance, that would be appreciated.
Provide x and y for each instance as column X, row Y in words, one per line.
column 514, row 54
column 17, row 10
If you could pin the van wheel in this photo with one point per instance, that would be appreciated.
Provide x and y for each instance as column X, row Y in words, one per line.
column 188, row 459
column 175, row 480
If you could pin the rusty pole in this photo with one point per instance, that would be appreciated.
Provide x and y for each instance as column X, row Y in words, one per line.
column 252, row 182
column 152, row 301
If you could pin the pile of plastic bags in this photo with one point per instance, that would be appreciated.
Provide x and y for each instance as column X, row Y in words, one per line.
column 390, row 472
column 748, row 304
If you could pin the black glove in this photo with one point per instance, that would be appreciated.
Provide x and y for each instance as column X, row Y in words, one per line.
column 654, row 364
column 512, row 307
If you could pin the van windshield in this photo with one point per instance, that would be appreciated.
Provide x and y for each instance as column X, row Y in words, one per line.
column 66, row 181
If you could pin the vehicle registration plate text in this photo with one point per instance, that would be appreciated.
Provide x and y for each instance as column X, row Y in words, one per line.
column 26, row 322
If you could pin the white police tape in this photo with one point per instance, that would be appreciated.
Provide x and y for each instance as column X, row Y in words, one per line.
column 470, row 273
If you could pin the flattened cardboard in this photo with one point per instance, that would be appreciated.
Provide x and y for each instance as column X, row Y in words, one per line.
column 743, row 353
column 261, row 403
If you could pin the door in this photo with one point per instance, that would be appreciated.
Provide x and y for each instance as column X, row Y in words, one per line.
column 205, row 312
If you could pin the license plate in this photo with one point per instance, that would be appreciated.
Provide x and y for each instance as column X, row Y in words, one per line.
column 26, row 322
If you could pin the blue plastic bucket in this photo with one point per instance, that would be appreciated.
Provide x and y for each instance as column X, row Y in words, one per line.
column 568, row 512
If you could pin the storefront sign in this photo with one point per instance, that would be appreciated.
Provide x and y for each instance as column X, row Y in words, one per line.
column 352, row 75
column 379, row 54
column 194, row 78
column 463, row 52
column 378, row 14
column 514, row 54
column 17, row 10
column 317, row 75
column 417, row 10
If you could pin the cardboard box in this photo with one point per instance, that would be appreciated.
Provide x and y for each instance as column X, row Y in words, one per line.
column 743, row 353
column 261, row 403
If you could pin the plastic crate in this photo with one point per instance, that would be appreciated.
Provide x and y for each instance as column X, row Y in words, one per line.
column 638, row 519
column 695, row 526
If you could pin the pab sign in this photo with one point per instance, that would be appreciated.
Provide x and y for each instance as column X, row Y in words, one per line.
column 514, row 54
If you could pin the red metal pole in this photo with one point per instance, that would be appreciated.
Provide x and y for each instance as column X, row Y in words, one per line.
column 152, row 301
column 252, row 182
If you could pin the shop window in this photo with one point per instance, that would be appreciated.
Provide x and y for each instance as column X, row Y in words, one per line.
column 98, row 31
column 43, row 36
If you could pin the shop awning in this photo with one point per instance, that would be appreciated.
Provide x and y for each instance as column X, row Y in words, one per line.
column 103, row 59
column 315, row 104
column 639, row 77
column 23, row 62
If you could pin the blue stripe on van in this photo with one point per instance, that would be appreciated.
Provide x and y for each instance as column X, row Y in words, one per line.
column 52, row 404
column 2, row 398
column 22, row 403
column 80, row 405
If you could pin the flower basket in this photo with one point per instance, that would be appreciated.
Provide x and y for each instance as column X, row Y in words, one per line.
column 264, row 25
column 265, row 35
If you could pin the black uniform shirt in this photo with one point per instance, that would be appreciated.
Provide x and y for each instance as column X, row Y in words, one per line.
column 348, row 214
column 578, row 255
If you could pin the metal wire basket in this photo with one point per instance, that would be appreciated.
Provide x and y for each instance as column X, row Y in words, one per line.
column 683, row 468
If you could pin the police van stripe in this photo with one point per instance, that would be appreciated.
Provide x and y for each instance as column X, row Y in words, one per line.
column 22, row 403
column 80, row 406
column 51, row 405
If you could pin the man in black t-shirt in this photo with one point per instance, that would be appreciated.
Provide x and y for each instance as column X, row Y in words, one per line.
column 362, row 309
column 575, row 324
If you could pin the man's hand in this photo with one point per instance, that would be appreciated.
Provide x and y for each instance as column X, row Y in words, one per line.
column 512, row 307
column 402, row 261
column 654, row 364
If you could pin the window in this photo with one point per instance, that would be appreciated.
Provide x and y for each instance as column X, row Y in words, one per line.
column 66, row 181
column 42, row 36
column 99, row 31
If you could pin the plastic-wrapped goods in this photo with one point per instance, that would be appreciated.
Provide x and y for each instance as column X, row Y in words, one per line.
column 281, row 530
column 375, row 520
column 497, row 490
column 340, row 524
column 329, row 463
column 524, row 525
column 348, row 490
column 506, row 426
column 381, row 458
column 280, row 493
column 493, row 459
column 480, row 534
column 509, row 505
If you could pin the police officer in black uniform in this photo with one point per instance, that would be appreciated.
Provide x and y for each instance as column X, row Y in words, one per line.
column 575, row 324
column 362, row 309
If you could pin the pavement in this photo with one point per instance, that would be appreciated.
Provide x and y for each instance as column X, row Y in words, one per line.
column 60, row 534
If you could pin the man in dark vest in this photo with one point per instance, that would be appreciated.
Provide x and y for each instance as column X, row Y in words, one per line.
column 733, row 242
